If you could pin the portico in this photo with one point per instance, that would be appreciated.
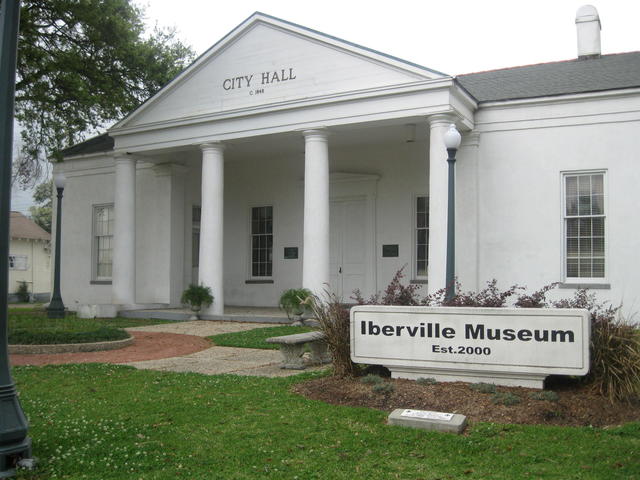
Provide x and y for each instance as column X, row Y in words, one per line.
column 297, row 178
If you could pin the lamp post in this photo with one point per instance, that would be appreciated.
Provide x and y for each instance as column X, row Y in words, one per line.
column 452, row 140
column 15, row 445
column 56, row 307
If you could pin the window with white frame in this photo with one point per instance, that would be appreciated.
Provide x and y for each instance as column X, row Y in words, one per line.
column 18, row 262
column 262, row 241
column 584, row 225
column 103, row 241
column 421, row 236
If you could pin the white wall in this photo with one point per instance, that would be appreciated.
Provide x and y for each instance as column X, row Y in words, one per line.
column 523, row 150
column 38, row 271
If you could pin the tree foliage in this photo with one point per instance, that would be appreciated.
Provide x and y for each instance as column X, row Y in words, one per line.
column 41, row 213
column 82, row 64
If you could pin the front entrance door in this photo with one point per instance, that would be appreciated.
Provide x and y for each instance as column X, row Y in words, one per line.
column 348, row 249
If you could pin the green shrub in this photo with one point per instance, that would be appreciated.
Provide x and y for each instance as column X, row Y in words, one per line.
column 293, row 301
column 22, row 292
column 545, row 395
column 197, row 296
column 383, row 388
column 371, row 379
column 426, row 381
column 505, row 398
column 483, row 387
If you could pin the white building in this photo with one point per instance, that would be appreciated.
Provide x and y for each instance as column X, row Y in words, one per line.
column 29, row 258
column 284, row 157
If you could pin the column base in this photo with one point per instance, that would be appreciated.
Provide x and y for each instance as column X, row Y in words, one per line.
column 11, row 454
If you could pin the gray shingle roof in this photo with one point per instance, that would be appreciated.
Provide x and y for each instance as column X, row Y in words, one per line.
column 608, row 72
column 101, row 143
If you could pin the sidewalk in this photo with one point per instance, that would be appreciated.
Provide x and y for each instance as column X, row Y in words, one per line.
column 218, row 360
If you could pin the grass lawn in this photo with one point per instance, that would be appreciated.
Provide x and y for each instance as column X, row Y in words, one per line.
column 95, row 421
column 35, row 328
column 256, row 338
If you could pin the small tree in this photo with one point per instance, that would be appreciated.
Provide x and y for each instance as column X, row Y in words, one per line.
column 41, row 213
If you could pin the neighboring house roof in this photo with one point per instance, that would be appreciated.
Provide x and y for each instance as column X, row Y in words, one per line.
column 24, row 227
column 607, row 72
column 101, row 143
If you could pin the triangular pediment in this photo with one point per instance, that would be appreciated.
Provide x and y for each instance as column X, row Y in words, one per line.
column 269, row 62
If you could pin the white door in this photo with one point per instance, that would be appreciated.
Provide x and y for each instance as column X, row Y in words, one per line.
column 348, row 249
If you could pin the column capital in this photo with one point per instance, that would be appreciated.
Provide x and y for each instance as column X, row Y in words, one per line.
column 321, row 134
column 441, row 120
column 212, row 147
column 123, row 157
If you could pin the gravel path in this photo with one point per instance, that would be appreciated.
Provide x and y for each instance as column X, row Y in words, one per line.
column 180, row 347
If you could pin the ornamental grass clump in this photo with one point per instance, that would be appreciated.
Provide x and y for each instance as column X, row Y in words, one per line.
column 614, row 348
column 333, row 317
column 505, row 398
column 483, row 387
column 426, row 381
column 544, row 395
column 383, row 388
column 371, row 379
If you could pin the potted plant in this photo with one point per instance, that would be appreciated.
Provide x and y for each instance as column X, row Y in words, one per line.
column 292, row 301
column 197, row 296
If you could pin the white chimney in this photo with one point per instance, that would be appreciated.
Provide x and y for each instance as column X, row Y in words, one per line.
column 588, row 26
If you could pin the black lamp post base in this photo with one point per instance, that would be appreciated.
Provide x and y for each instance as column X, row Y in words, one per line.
column 11, row 454
column 56, row 309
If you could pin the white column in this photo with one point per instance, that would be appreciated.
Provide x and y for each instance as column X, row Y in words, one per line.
column 438, row 184
column 211, row 270
column 123, row 278
column 315, row 260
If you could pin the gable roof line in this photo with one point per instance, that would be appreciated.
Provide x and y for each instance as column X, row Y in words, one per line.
column 352, row 44
column 257, row 17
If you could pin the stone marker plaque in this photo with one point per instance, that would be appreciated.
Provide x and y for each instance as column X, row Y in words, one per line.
column 445, row 417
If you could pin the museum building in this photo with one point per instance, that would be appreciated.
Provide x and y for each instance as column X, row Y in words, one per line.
column 284, row 157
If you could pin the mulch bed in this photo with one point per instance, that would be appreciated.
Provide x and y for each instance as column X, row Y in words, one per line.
column 147, row 346
column 577, row 406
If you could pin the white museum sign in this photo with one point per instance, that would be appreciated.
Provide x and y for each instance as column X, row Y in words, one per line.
column 505, row 346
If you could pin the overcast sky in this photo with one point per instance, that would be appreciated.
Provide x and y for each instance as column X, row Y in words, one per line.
column 451, row 36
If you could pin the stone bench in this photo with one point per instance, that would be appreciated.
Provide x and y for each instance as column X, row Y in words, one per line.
column 292, row 348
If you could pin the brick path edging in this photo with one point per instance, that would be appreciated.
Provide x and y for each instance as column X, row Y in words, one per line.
column 70, row 347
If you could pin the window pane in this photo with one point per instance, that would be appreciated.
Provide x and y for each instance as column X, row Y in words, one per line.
column 597, row 204
column 598, row 247
column 422, row 204
column 422, row 268
column 598, row 227
column 584, row 185
column 572, row 186
column 572, row 227
column 422, row 237
column 585, row 267
column 597, row 184
column 584, row 205
column 584, row 227
column 572, row 205
column 598, row 267
column 585, row 247
column 572, row 247
column 572, row 267
column 421, row 220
